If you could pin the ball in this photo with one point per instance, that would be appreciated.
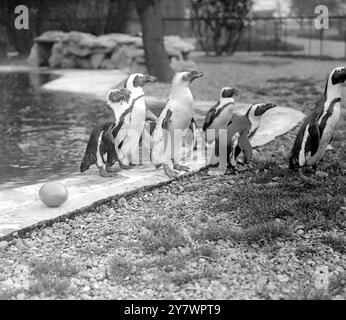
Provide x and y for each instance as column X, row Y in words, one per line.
column 53, row 194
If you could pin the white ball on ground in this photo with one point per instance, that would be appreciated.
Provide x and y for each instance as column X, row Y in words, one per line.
column 53, row 194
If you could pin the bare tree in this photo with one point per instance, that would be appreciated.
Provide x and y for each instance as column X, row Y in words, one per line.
column 218, row 24
column 156, row 57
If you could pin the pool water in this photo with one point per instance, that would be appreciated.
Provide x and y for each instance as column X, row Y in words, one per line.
column 43, row 134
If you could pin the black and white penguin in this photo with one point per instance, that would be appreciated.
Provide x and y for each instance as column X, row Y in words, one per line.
column 318, row 128
column 129, row 129
column 240, row 131
column 101, row 149
column 173, row 124
column 254, row 115
column 219, row 116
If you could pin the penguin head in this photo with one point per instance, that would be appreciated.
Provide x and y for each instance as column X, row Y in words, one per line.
column 138, row 80
column 118, row 95
column 185, row 77
column 257, row 110
column 338, row 75
column 227, row 92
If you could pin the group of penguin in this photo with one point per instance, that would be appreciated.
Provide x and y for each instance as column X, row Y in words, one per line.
column 119, row 140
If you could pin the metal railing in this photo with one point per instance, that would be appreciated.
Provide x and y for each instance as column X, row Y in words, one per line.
column 295, row 36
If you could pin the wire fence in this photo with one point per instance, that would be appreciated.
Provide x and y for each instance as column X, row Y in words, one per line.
column 295, row 36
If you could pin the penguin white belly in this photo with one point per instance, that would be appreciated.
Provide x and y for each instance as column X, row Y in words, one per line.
column 130, row 148
column 328, row 132
column 181, row 117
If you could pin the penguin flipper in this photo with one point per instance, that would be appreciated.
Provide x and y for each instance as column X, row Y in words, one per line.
column 210, row 116
column 90, row 156
column 314, row 138
column 108, row 146
column 245, row 146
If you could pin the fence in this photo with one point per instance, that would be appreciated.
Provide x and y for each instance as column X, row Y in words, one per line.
column 276, row 35
column 281, row 35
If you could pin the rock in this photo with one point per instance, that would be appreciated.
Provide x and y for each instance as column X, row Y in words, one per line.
column 20, row 245
column 224, row 200
column 96, row 60
column 55, row 60
column 3, row 245
column 283, row 278
column 51, row 36
column 108, row 64
column 21, row 296
column 261, row 282
column 300, row 232
column 68, row 62
column 161, row 249
column 122, row 202
column 8, row 283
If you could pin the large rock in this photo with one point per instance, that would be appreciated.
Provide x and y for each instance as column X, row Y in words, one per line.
column 109, row 51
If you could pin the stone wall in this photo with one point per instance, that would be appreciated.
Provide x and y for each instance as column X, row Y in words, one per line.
column 58, row 49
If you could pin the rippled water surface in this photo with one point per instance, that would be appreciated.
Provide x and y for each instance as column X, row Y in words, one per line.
column 43, row 134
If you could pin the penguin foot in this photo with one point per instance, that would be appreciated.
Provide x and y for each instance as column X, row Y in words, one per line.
column 106, row 174
column 111, row 169
column 124, row 166
column 181, row 167
column 171, row 173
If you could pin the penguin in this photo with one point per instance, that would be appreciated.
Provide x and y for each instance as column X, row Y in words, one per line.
column 173, row 124
column 129, row 129
column 219, row 116
column 319, row 126
column 101, row 149
column 254, row 115
column 240, row 131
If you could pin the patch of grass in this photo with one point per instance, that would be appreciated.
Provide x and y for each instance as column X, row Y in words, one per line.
column 171, row 262
column 212, row 231
column 304, row 251
column 267, row 232
column 185, row 277
column 337, row 243
column 54, row 267
column 166, row 233
column 50, row 285
column 263, row 232
column 120, row 268
column 207, row 251
column 52, row 276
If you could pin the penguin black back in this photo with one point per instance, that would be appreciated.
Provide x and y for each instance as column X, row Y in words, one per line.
column 106, row 146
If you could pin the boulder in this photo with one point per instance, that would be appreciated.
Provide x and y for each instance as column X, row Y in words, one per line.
column 56, row 56
column 108, row 51
column 68, row 62
column 51, row 36
column 96, row 60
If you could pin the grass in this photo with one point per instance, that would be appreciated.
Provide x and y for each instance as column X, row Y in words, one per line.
column 166, row 233
column 52, row 276
column 337, row 243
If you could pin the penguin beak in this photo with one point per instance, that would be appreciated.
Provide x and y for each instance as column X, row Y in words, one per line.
column 194, row 75
column 150, row 78
column 260, row 110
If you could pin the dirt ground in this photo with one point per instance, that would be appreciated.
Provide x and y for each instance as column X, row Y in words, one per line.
column 265, row 233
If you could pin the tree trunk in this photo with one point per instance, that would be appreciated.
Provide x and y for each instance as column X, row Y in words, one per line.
column 156, row 57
